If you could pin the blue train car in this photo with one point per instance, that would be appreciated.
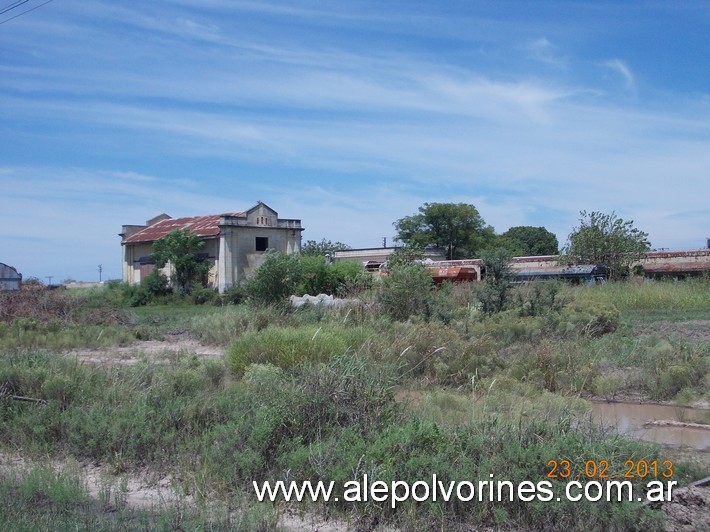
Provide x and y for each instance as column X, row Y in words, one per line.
column 583, row 273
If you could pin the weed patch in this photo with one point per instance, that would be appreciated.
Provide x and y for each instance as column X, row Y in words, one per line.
column 287, row 347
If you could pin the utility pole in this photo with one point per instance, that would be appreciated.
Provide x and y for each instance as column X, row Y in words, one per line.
column 50, row 279
column 100, row 270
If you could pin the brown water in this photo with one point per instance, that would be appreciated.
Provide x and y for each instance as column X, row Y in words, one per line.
column 629, row 419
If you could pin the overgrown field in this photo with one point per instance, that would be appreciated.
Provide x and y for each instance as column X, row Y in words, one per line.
column 317, row 394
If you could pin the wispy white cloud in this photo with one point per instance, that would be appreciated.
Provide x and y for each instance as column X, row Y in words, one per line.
column 618, row 66
column 541, row 49
column 348, row 123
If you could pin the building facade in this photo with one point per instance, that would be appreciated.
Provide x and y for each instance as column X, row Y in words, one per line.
column 235, row 243
column 10, row 279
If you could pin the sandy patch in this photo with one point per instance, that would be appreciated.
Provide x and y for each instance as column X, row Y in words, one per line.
column 158, row 351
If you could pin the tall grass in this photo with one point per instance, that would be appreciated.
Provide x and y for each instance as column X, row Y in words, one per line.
column 287, row 347
column 662, row 296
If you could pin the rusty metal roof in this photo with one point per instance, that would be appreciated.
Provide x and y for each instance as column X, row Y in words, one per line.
column 204, row 226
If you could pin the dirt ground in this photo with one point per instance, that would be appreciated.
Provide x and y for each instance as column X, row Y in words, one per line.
column 689, row 511
column 691, row 330
column 158, row 351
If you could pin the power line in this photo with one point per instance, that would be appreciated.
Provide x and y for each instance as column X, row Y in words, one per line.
column 13, row 6
column 19, row 3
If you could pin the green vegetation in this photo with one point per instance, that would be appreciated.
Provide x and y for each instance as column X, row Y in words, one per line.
column 607, row 239
column 409, row 382
column 180, row 249
column 282, row 275
column 339, row 279
column 287, row 347
column 406, row 291
column 456, row 227
column 528, row 241
column 493, row 292
column 461, row 231
column 275, row 280
column 322, row 248
column 668, row 298
column 46, row 497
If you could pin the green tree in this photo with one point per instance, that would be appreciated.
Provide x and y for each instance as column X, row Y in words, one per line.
column 606, row 239
column 324, row 247
column 493, row 292
column 526, row 240
column 276, row 279
column 457, row 227
column 180, row 248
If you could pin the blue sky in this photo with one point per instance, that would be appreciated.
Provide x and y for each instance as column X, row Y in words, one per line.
column 348, row 115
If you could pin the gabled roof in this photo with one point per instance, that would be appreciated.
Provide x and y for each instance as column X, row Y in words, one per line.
column 204, row 226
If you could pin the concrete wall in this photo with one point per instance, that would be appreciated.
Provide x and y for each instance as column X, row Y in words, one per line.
column 131, row 267
column 238, row 250
column 10, row 279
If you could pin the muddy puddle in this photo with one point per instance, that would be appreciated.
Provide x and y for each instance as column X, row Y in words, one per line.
column 663, row 424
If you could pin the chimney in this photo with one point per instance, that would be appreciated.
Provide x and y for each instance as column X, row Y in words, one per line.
column 157, row 219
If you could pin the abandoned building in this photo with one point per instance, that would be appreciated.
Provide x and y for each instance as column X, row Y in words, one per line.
column 10, row 279
column 235, row 243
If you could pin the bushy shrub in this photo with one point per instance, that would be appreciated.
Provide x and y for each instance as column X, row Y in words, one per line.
column 556, row 366
column 204, row 296
column 156, row 283
column 314, row 276
column 348, row 278
column 337, row 279
column 406, row 291
column 589, row 318
column 264, row 377
column 234, row 295
column 59, row 388
column 275, row 280
column 284, row 417
column 509, row 327
column 153, row 288
column 443, row 304
column 346, row 392
column 51, row 312
column 493, row 291
column 607, row 385
column 538, row 298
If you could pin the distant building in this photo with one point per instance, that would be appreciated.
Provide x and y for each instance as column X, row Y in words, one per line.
column 10, row 279
column 236, row 243
column 373, row 258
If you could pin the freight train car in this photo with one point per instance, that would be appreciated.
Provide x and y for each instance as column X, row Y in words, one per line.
column 579, row 274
